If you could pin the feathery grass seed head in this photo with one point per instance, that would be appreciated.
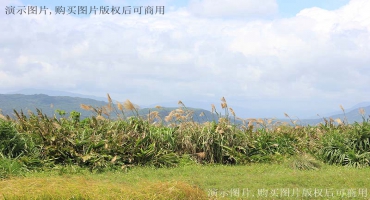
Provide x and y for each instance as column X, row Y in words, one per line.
column 361, row 111
column 99, row 117
column 128, row 105
column 339, row 121
column 119, row 106
column 85, row 107
column 341, row 107
column 109, row 99
column 232, row 111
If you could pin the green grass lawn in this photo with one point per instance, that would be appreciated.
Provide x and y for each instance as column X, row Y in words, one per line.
column 193, row 181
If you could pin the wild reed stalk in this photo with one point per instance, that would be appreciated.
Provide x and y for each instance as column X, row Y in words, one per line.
column 101, row 142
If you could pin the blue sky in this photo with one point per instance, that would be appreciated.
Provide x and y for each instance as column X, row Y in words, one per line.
column 289, row 8
column 266, row 57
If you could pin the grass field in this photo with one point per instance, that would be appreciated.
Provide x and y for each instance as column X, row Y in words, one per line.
column 175, row 157
column 193, row 181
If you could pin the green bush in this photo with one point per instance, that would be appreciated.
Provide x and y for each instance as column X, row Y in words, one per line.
column 100, row 143
column 11, row 142
column 347, row 145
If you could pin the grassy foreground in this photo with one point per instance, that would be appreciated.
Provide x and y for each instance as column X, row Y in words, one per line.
column 193, row 181
column 161, row 157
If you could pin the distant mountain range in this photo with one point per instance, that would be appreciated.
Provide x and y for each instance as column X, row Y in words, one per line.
column 49, row 104
column 58, row 93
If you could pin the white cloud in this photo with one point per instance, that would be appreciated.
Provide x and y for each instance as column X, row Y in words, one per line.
column 315, row 60
column 4, row 3
column 116, row 2
column 235, row 8
column 166, row 3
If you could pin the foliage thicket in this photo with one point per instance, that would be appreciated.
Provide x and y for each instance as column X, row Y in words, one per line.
column 38, row 141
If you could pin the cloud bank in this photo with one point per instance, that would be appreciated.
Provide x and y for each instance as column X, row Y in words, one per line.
column 300, row 65
column 235, row 8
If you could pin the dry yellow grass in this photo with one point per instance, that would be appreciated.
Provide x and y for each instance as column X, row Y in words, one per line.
column 361, row 111
column 109, row 99
column 339, row 121
column 341, row 107
column 99, row 117
column 154, row 115
column 213, row 108
column 232, row 112
column 67, row 187
column 119, row 106
column 128, row 105
column 85, row 107
column 181, row 104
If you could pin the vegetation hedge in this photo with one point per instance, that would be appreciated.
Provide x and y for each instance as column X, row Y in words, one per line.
column 38, row 141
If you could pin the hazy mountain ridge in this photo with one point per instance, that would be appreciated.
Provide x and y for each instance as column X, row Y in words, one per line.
column 49, row 104
column 58, row 93
column 353, row 115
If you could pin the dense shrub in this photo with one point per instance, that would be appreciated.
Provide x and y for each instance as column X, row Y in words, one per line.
column 347, row 145
column 11, row 142
column 100, row 143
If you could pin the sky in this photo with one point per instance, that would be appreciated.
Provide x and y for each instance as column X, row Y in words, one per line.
column 266, row 57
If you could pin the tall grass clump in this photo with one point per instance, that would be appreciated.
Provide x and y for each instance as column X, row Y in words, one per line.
column 11, row 167
column 11, row 142
column 346, row 144
column 119, row 136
